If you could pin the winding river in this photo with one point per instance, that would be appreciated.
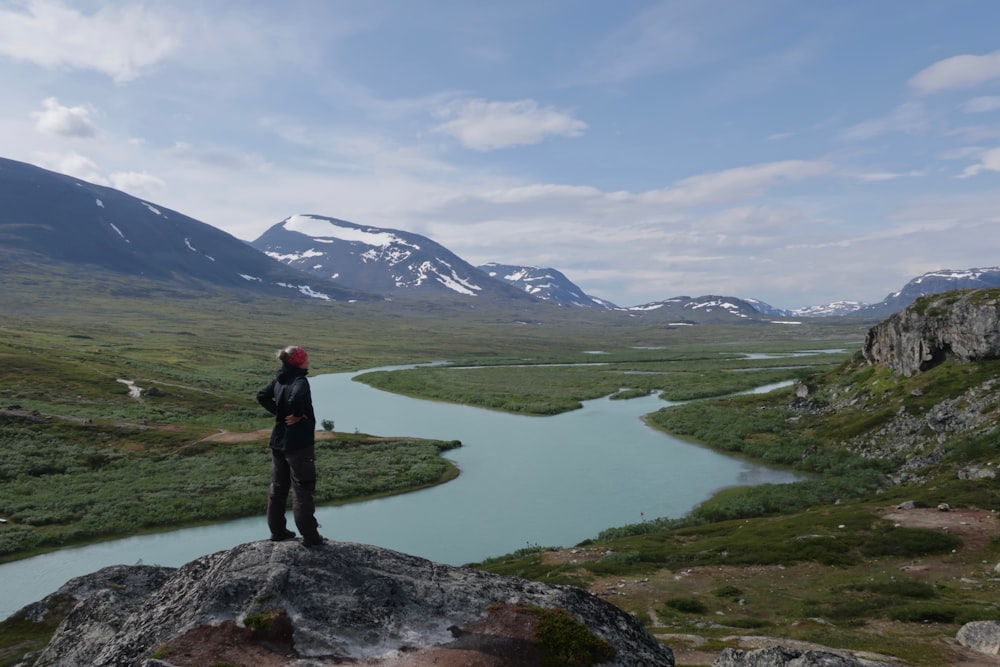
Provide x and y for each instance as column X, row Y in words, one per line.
column 525, row 481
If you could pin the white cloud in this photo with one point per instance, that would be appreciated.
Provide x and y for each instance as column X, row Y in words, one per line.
column 668, row 36
column 879, row 176
column 64, row 121
column 75, row 165
column 484, row 126
column 908, row 117
column 729, row 184
column 963, row 153
column 982, row 104
column 974, row 132
column 217, row 156
column 138, row 184
column 965, row 71
column 536, row 192
column 989, row 161
column 117, row 41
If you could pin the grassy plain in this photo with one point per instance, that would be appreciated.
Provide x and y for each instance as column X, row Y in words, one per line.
column 816, row 561
column 86, row 460
column 553, row 383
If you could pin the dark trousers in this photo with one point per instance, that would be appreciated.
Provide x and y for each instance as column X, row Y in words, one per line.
column 295, row 471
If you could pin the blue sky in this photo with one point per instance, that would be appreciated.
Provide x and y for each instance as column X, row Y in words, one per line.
column 792, row 151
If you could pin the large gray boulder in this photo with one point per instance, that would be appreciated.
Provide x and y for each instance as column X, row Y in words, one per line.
column 784, row 656
column 964, row 325
column 981, row 636
column 339, row 602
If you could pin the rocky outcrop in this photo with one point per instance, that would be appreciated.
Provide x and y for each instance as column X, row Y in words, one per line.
column 782, row 656
column 918, row 439
column 962, row 325
column 981, row 636
column 275, row 604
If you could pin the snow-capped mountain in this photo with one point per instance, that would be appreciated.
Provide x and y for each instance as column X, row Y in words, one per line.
column 767, row 309
column 700, row 309
column 933, row 282
column 63, row 219
column 545, row 284
column 829, row 310
column 374, row 259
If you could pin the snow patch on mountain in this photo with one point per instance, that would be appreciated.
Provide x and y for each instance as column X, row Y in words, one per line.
column 290, row 257
column 966, row 274
column 325, row 228
column 306, row 290
column 828, row 310
column 545, row 284
column 718, row 303
column 375, row 259
column 114, row 227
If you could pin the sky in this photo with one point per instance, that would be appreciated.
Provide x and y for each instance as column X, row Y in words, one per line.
column 791, row 151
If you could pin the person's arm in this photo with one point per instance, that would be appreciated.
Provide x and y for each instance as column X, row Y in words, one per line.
column 266, row 398
column 299, row 402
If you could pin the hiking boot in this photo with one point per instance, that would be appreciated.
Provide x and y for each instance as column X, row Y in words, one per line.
column 282, row 536
column 313, row 540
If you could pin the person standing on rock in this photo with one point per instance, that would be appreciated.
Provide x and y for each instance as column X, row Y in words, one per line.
column 293, row 448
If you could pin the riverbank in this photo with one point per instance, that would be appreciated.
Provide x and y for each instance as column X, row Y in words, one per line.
column 110, row 488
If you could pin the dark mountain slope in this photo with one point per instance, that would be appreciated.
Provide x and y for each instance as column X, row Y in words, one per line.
column 66, row 220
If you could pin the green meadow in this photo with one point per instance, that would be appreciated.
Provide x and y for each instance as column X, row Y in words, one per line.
column 84, row 460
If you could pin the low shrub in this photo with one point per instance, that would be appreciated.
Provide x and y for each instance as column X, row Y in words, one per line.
column 909, row 542
column 563, row 640
column 744, row 623
column 728, row 592
column 687, row 605
column 907, row 588
column 925, row 613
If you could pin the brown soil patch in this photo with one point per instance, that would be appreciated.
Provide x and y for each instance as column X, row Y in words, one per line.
column 243, row 436
column 225, row 643
column 505, row 638
column 975, row 527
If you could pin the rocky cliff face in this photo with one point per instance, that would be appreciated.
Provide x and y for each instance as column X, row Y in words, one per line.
column 275, row 604
column 963, row 325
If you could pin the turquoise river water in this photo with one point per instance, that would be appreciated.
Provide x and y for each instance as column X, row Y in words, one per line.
column 551, row 481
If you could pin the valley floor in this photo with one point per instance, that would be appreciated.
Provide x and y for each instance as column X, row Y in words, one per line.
column 694, row 647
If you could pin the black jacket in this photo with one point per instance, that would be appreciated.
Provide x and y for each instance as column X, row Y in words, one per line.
column 289, row 394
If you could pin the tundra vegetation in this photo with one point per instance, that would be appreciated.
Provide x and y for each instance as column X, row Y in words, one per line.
column 814, row 560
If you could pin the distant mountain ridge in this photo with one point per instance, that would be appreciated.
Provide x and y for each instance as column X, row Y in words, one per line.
column 709, row 307
column 375, row 259
column 67, row 220
column 835, row 309
column 547, row 284
column 933, row 282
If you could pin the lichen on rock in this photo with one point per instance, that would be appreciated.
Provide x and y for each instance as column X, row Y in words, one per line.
column 279, row 603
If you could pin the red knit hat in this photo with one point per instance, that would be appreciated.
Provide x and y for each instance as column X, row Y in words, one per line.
column 298, row 357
